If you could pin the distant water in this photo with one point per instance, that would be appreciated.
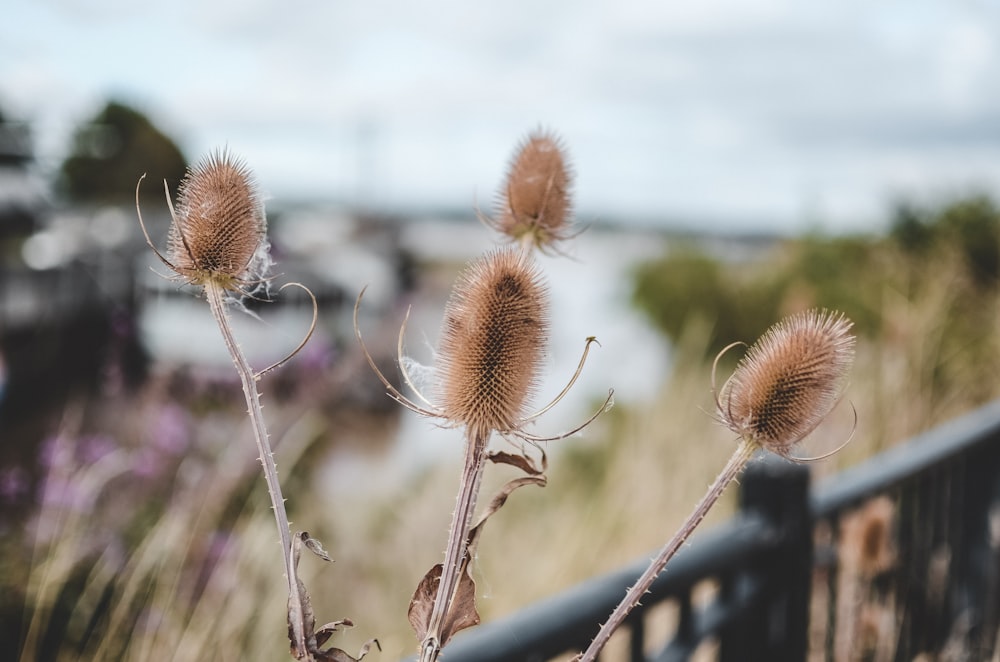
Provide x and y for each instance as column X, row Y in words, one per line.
column 590, row 292
column 180, row 329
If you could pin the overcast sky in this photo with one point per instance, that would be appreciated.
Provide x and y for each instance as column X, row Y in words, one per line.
column 781, row 114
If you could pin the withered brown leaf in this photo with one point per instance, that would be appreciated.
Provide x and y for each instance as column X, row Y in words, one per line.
column 497, row 502
column 305, row 640
column 463, row 613
column 521, row 461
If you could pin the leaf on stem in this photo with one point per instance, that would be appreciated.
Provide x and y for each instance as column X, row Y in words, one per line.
column 521, row 461
column 463, row 613
column 497, row 502
column 306, row 641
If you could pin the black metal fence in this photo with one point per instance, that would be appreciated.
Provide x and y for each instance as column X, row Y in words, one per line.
column 886, row 561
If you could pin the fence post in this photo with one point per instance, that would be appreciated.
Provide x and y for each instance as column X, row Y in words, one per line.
column 975, row 575
column 777, row 490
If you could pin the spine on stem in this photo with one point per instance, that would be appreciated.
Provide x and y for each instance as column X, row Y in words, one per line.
column 215, row 293
column 455, row 557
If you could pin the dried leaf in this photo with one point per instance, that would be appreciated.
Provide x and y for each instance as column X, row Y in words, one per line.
column 325, row 632
column 337, row 655
column 316, row 547
column 519, row 460
column 463, row 613
column 422, row 602
column 301, row 621
column 305, row 640
column 463, row 608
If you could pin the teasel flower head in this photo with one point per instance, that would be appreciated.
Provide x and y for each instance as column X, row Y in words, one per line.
column 493, row 342
column 535, row 207
column 218, row 231
column 789, row 380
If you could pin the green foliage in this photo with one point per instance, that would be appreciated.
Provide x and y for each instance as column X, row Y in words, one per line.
column 971, row 227
column 948, row 258
column 843, row 273
column 110, row 153
column 689, row 285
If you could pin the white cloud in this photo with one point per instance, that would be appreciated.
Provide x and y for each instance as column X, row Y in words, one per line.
column 722, row 109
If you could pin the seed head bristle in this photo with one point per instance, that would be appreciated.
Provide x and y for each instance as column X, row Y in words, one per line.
column 219, row 224
column 492, row 342
column 535, row 200
column 789, row 380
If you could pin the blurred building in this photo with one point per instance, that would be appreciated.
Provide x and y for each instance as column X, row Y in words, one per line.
column 66, row 299
column 22, row 190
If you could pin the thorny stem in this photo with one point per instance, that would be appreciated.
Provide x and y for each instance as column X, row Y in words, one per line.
column 736, row 463
column 458, row 540
column 214, row 293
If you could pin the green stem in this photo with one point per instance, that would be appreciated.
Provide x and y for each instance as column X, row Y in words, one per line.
column 214, row 292
column 732, row 469
column 458, row 541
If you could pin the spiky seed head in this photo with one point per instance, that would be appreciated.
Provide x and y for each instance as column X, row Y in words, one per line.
column 789, row 380
column 492, row 341
column 218, row 231
column 534, row 203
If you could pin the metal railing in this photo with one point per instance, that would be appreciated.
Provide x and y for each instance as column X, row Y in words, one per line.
column 892, row 558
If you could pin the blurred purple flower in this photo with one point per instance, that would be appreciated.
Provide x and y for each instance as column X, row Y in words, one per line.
column 13, row 483
column 55, row 453
column 317, row 355
column 148, row 463
column 171, row 432
column 92, row 448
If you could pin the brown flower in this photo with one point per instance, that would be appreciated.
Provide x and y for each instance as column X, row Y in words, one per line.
column 789, row 380
column 218, row 231
column 493, row 340
column 534, row 205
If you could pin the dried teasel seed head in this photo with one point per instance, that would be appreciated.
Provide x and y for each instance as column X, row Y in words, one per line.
column 492, row 342
column 535, row 205
column 789, row 380
column 218, row 231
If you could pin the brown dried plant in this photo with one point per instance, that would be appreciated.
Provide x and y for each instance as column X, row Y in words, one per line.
column 534, row 207
column 219, row 231
column 493, row 339
column 218, row 241
column 787, row 383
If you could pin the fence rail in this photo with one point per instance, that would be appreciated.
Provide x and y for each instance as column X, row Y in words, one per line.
column 893, row 558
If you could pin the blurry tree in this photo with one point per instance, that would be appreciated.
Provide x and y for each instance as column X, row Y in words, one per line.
column 110, row 153
column 955, row 246
column 970, row 226
column 689, row 285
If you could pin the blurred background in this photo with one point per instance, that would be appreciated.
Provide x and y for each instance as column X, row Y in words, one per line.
column 734, row 162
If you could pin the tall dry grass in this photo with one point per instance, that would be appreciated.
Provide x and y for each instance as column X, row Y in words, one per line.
column 194, row 578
